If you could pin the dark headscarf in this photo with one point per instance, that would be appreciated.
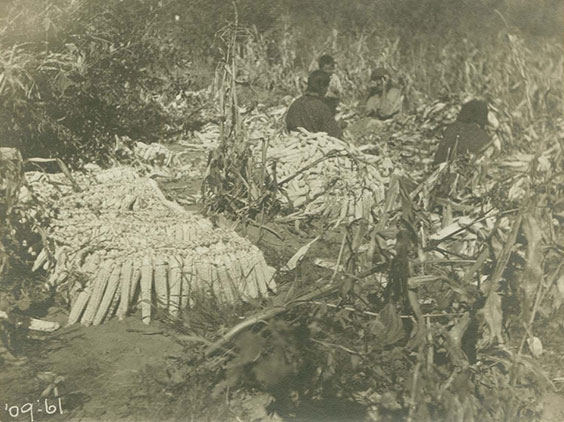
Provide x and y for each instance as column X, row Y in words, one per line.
column 474, row 111
column 325, row 60
column 318, row 81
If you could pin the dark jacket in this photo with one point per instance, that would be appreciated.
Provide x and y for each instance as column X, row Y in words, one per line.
column 465, row 135
column 311, row 113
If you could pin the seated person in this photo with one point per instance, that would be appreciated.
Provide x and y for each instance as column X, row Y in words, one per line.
column 246, row 95
column 466, row 134
column 384, row 98
column 310, row 112
column 332, row 98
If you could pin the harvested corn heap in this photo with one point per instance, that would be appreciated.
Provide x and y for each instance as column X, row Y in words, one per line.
column 346, row 186
column 119, row 242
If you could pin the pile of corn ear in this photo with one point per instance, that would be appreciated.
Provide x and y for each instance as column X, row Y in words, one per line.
column 119, row 243
column 344, row 187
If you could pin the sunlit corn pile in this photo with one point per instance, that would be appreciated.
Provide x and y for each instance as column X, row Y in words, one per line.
column 345, row 187
column 120, row 243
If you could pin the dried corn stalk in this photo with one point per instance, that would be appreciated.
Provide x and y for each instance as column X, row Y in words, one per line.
column 130, row 243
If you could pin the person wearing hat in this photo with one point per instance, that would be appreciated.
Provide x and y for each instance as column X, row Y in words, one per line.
column 310, row 111
column 467, row 134
column 384, row 98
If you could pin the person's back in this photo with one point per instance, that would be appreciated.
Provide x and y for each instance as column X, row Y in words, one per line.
column 310, row 111
column 467, row 134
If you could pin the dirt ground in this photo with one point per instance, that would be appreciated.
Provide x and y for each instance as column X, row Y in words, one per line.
column 103, row 369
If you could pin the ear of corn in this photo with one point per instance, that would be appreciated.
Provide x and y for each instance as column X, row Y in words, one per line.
column 126, row 283
column 185, row 233
column 175, row 285
column 262, row 276
column 250, row 279
column 179, row 233
column 221, row 287
column 146, row 288
column 113, row 306
column 244, row 265
column 197, row 284
column 231, row 275
column 203, row 271
column 97, row 292
column 78, row 306
column 111, row 287
column 186, row 275
column 135, row 278
column 161, row 282
column 224, row 281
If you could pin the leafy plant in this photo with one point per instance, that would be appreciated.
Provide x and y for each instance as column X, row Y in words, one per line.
column 97, row 78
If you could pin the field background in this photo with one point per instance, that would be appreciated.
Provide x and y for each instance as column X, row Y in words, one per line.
column 77, row 73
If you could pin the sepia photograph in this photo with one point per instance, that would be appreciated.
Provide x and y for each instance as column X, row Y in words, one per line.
column 282, row 211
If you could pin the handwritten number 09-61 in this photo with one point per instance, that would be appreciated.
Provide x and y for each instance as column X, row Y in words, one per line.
column 14, row 411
